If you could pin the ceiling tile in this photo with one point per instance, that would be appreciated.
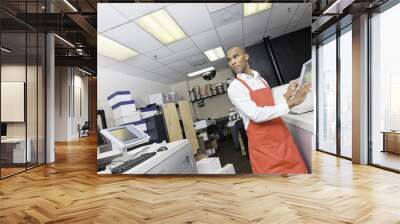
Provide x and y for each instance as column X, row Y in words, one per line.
column 227, row 15
column 308, row 12
column 133, row 11
column 153, row 77
column 252, row 38
column 160, row 53
column 180, row 55
column 220, row 64
column 181, row 66
column 203, row 66
column 199, row 59
column 192, row 17
column 133, row 36
column 256, row 23
column 206, row 40
column 108, row 17
column 172, row 80
column 302, row 24
column 126, row 69
column 181, row 45
column 230, row 32
column 291, row 27
column 236, row 43
column 165, row 71
column 104, row 62
column 281, row 15
column 299, row 12
column 143, row 62
column 212, row 7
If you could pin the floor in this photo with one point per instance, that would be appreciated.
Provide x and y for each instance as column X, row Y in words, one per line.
column 70, row 191
column 387, row 159
column 7, row 171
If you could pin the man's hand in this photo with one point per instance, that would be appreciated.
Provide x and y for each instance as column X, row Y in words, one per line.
column 291, row 90
column 300, row 96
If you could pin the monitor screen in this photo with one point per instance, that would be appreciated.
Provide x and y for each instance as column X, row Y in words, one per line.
column 3, row 129
column 123, row 134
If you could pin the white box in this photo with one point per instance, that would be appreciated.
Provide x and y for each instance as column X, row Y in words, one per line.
column 208, row 165
column 123, row 109
column 135, row 116
column 157, row 98
column 119, row 98
column 227, row 169
column 203, row 124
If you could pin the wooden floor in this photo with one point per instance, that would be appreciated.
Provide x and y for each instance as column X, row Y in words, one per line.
column 69, row 191
column 387, row 159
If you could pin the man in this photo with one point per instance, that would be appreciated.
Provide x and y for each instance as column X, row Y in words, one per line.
column 271, row 146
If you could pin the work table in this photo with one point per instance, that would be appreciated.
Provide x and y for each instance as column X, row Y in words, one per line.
column 304, row 121
column 301, row 126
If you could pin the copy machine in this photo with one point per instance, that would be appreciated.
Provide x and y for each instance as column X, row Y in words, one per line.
column 120, row 156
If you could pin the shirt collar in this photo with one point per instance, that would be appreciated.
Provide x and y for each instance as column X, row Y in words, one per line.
column 246, row 76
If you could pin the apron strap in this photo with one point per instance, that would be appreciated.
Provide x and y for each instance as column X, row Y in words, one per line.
column 265, row 82
column 244, row 83
column 248, row 87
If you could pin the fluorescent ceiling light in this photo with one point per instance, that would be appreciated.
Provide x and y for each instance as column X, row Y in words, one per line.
column 70, row 5
column 161, row 25
column 200, row 72
column 65, row 41
column 253, row 8
column 215, row 54
column 5, row 50
column 84, row 71
column 112, row 49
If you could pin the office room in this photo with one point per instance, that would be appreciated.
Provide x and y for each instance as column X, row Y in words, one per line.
column 172, row 84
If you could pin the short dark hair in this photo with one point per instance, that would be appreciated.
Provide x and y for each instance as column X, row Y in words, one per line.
column 242, row 49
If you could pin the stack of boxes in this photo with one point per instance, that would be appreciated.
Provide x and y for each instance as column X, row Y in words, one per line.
column 124, row 110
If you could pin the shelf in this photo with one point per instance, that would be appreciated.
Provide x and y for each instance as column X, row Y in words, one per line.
column 205, row 97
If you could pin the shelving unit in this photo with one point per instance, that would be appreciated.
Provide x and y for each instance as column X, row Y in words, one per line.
column 205, row 97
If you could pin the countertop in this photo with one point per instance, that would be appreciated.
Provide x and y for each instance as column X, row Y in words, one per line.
column 304, row 121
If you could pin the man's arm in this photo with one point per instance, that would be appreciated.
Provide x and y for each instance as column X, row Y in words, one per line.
column 240, row 98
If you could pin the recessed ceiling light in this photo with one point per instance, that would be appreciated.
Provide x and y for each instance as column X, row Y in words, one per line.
column 112, row 49
column 5, row 50
column 215, row 54
column 200, row 72
column 64, row 40
column 70, row 5
column 253, row 8
column 161, row 25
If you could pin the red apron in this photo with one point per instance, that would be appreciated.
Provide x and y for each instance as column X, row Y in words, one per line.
column 271, row 146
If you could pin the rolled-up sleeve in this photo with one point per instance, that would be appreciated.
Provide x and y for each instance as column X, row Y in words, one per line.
column 240, row 98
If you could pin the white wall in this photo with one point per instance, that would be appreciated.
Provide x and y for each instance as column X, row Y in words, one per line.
column 214, row 107
column 67, row 83
column 109, row 81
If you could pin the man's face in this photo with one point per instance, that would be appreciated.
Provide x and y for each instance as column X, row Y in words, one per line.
column 237, row 59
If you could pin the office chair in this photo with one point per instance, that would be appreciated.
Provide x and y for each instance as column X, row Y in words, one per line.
column 84, row 130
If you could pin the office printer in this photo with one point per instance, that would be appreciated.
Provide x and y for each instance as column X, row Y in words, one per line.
column 121, row 157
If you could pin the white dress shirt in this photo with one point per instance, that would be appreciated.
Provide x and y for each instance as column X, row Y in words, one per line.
column 247, row 109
